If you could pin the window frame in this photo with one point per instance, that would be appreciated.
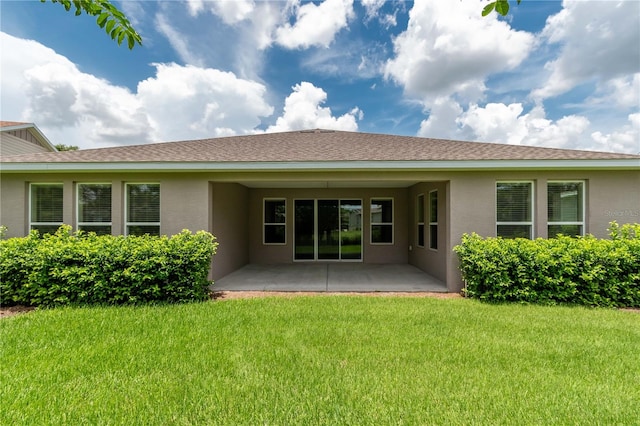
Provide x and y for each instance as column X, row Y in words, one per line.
column 433, row 224
column 582, row 223
column 265, row 223
column 372, row 223
column 31, row 222
column 79, row 224
column 127, row 223
column 529, row 223
column 420, row 228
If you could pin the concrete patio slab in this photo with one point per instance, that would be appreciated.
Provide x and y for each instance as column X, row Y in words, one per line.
column 330, row 277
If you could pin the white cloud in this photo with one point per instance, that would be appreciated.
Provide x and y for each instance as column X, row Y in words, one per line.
column 442, row 119
column 195, row 6
column 185, row 102
column 315, row 25
column 622, row 92
column 231, row 12
column 264, row 20
column 496, row 122
column 599, row 40
column 372, row 7
column 234, row 11
column 506, row 124
column 134, row 12
column 449, row 48
column 626, row 139
column 178, row 41
column 60, row 95
column 302, row 111
column 76, row 108
column 372, row 10
column 44, row 87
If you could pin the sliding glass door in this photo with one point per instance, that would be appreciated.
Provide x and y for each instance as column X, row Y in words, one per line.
column 328, row 229
column 304, row 240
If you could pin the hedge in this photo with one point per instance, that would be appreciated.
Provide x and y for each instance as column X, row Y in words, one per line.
column 83, row 268
column 563, row 270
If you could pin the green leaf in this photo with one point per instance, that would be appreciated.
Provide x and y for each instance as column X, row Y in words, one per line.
column 110, row 25
column 502, row 7
column 117, row 24
column 102, row 19
column 114, row 33
column 488, row 8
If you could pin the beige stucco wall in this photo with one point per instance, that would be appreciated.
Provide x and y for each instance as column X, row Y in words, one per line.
column 372, row 253
column 13, row 205
column 432, row 261
column 233, row 212
column 229, row 223
column 610, row 196
column 184, row 202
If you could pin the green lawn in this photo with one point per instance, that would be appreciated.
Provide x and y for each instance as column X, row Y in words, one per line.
column 321, row 360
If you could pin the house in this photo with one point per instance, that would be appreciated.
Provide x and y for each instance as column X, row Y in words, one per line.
column 22, row 138
column 324, row 196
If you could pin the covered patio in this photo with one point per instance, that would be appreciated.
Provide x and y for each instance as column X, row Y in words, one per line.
column 330, row 277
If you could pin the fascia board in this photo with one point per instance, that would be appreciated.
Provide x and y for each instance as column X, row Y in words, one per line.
column 617, row 164
column 17, row 127
column 39, row 135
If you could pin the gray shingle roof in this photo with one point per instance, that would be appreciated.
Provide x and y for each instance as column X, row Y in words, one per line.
column 313, row 146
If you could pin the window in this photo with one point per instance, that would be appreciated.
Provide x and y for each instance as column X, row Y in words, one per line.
column 433, row 220
column 420, row 216
column 142, row 208
column 94, row 207
column 382, row 221
column 275, row 222
column 514, row 209
column 565, row 208
column 45, row 207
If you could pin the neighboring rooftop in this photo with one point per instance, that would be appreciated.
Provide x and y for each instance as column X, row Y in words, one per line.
column 12, row 124
column 313, row 146
column 18, row 138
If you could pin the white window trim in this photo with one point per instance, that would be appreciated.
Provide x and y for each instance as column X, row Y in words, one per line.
column 533, row 207
column 78, row 223
column 584, row 205
column 420, row 222
column 127, row 224
column 436, row 222
column 265, row 224
column 31, row 224
column 392, row 223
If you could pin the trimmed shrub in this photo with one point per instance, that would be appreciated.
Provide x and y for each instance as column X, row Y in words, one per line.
column 83, row 268
column 563, row 270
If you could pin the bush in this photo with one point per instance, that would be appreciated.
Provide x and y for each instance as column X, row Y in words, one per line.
column 81, row 268
column 563, row 270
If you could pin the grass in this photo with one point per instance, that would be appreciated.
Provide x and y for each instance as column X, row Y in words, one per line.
column 321, row 360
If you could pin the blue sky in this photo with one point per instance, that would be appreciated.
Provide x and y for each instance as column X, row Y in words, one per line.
column 556, row 74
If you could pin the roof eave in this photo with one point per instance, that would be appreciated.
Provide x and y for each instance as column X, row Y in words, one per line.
column 446, row 165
